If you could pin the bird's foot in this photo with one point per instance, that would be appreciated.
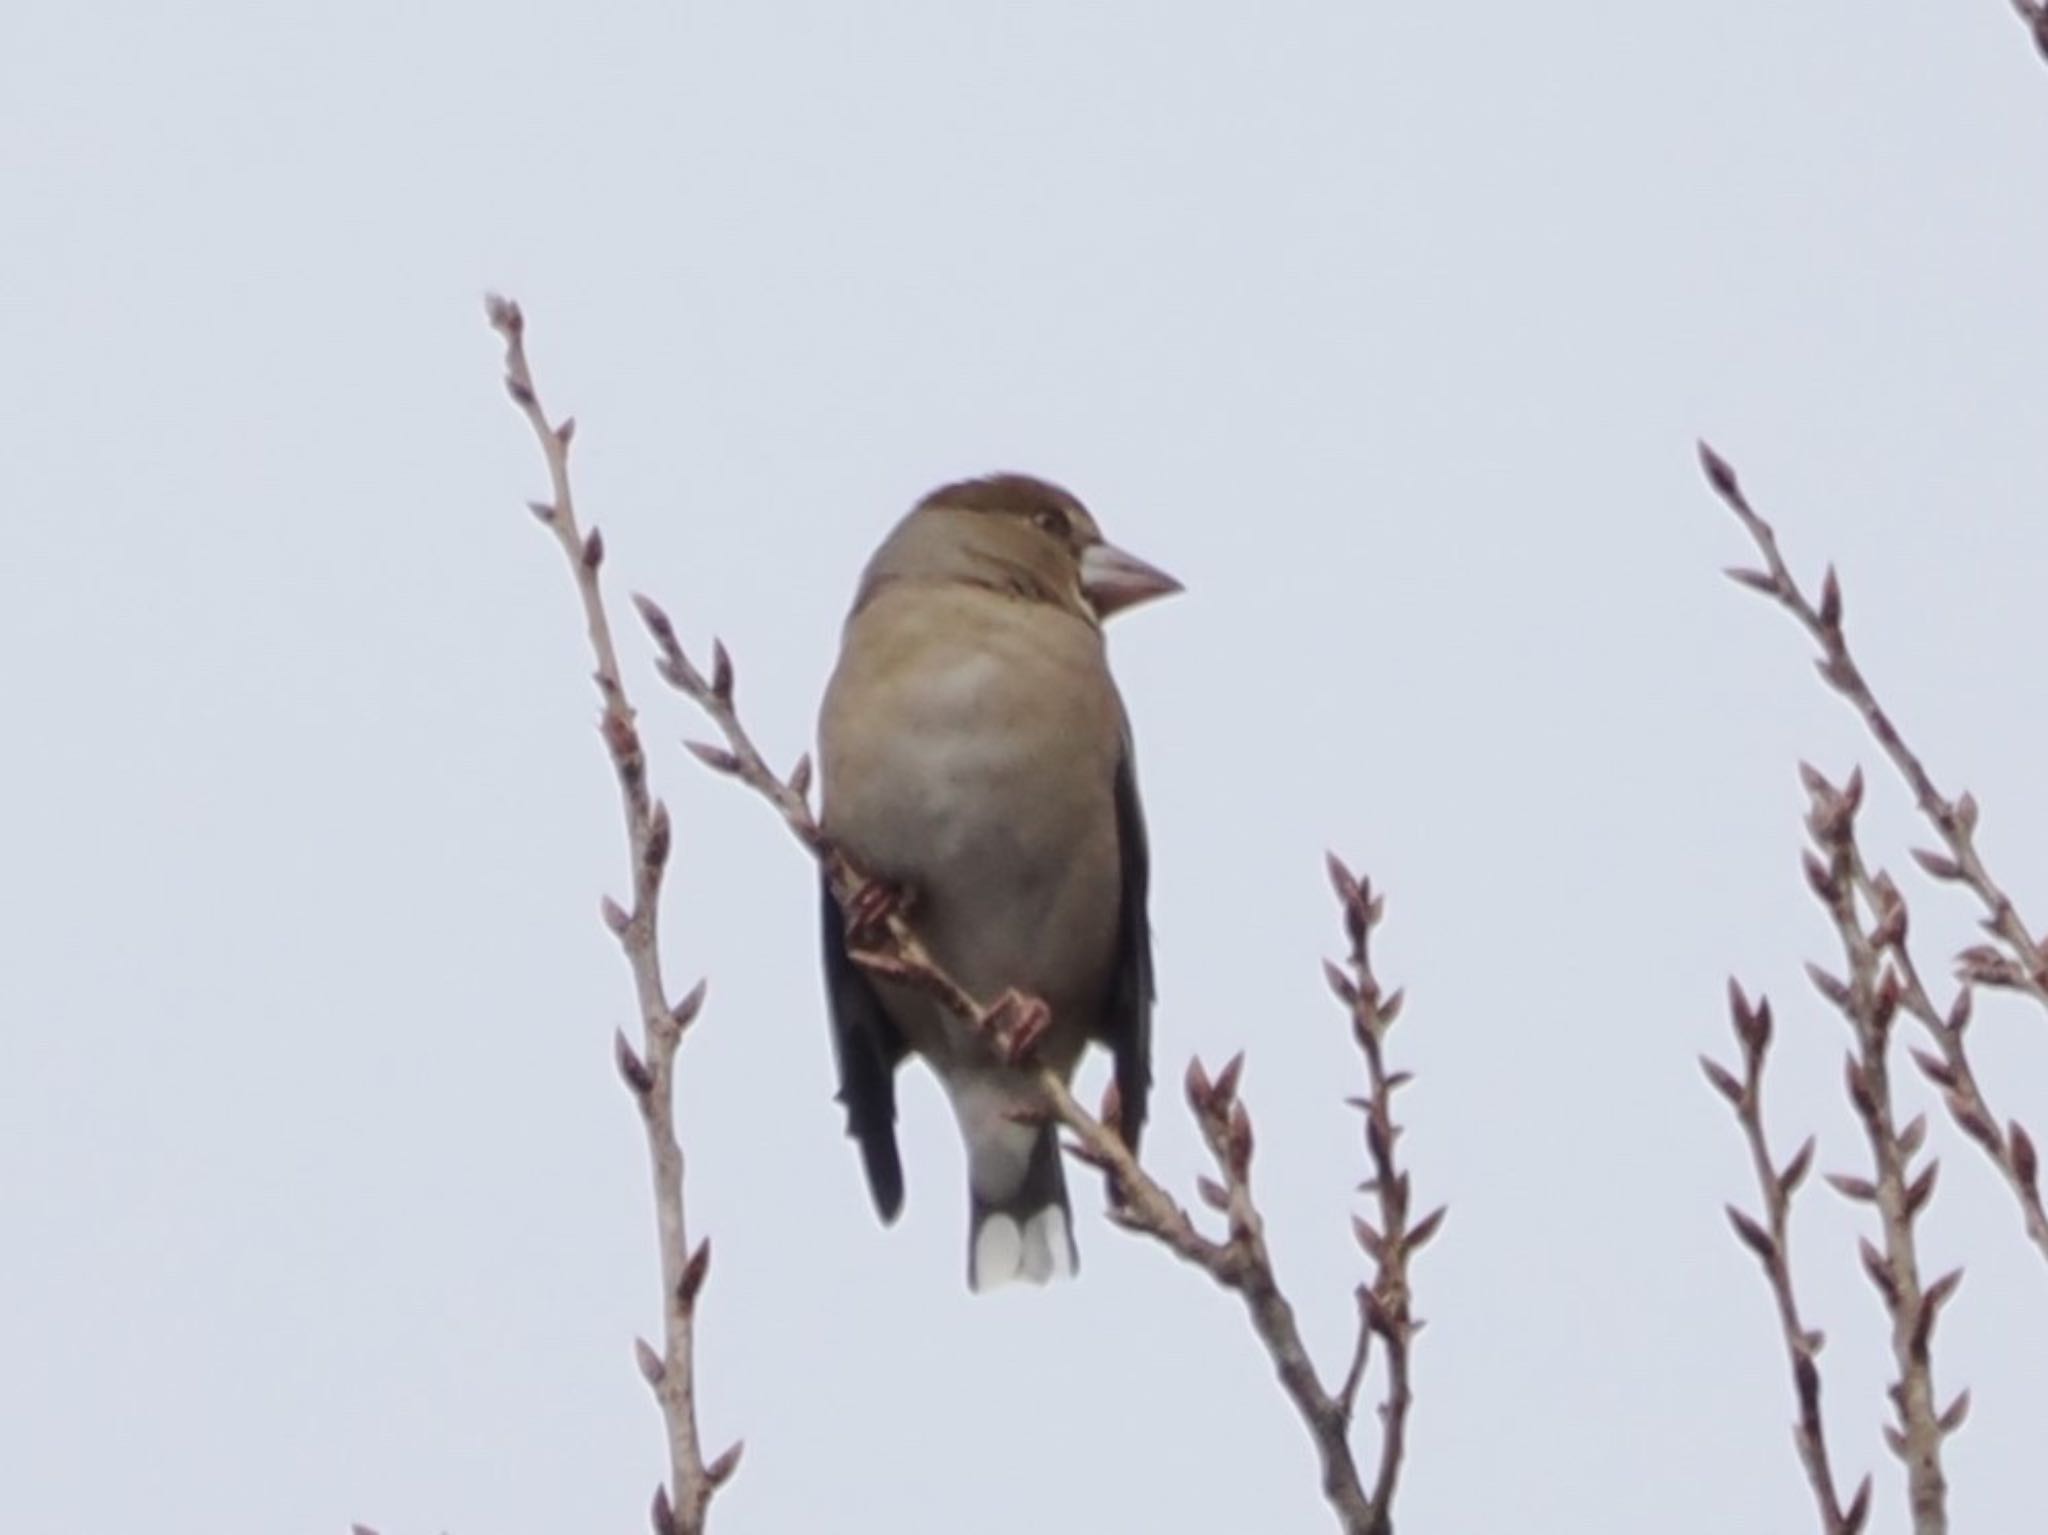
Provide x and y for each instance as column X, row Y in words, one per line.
column 868, row 913
column 1017, row 1021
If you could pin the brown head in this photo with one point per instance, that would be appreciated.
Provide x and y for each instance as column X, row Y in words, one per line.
column 1021, row 536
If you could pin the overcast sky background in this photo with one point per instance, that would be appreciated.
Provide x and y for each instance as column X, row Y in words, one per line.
column 1388, row 329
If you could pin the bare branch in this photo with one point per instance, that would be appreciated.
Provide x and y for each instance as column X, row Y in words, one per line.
column 2020, row 965
column 2025, row 966
column 1385, row 1303
column 1869, row 1003
column 648, row 1071
column 1238, row 1261
column 1771, row 1242
column 2010, row 1149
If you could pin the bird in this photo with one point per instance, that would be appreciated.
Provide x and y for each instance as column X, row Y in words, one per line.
column 975, row 763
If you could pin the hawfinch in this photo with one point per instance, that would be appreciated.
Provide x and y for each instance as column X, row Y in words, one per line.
column 975, row 760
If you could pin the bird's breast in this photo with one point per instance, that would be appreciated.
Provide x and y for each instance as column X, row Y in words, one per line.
column 975, row 762
column 966, row 756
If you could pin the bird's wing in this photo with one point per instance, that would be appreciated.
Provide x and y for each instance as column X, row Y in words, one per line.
column 1127, row 1018
column 868, row 1047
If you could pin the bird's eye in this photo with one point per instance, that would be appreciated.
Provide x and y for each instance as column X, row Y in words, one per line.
column 1052, row 520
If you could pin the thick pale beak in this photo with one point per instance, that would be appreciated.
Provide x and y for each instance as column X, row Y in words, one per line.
column 1114, row 580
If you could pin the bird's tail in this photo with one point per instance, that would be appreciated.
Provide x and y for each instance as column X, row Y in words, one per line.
column 1029, row 1234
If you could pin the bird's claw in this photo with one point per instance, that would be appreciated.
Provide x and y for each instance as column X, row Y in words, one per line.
column 869, row 911
column 1017, row 1021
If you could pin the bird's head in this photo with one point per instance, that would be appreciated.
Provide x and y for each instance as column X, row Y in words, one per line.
column 1023, row 536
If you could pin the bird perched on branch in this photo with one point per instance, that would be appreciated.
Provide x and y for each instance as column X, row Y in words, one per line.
column 976, row 763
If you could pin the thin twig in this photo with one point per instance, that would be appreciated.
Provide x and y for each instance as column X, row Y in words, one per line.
column 2011, row 1149
column 1384, row 1305
column 2020, row 966
column 1868, row 1000
column 1240, row 1261
column 682, row 1503
column 2024, row 965
column 1771, row 1241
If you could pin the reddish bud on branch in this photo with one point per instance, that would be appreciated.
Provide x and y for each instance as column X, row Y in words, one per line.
column 1754, row 1237
column 720, row 1471
column 717, row 758
column 651, row 1367
column 1720, row 474
column 631, row 1067
column 694, row 1272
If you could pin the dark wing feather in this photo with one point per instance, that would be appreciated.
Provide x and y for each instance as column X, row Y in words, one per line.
column 1127, row 1020
column 867, row 1047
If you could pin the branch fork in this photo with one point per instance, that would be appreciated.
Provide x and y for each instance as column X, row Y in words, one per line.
column 889, row 945
column 1238, row 1261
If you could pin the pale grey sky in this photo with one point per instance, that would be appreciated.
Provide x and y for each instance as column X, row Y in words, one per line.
column 1388, row 330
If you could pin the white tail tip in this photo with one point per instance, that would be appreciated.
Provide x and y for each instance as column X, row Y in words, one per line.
column 1039, row 1250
